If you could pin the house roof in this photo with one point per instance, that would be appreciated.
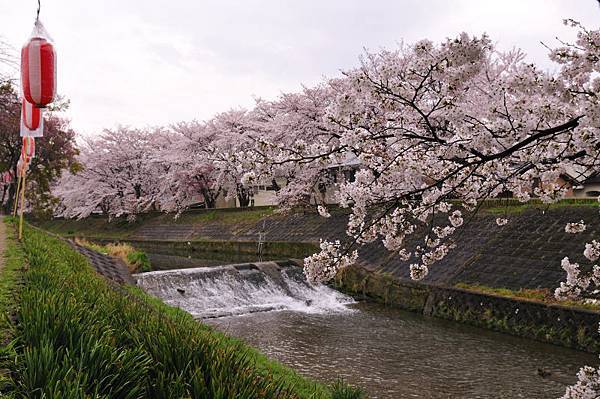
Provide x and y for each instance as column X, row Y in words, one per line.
column 582, row 177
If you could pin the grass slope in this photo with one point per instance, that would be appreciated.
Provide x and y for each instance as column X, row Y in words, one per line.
column 136, row 260
column 80, row 337
column 541, row 295
column 120, row 228
column 10, row 286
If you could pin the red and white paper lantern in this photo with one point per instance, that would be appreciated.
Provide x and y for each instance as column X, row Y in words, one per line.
column 28, row 148
column 32, row 120
column 31, row 115
column 38, row 68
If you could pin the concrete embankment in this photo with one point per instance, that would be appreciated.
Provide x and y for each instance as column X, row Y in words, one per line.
column 525, row 253
column 561, row 325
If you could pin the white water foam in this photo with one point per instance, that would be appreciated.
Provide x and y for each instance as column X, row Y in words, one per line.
column 208, row 292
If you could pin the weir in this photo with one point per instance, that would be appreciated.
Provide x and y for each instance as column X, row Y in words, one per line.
column 210, row 292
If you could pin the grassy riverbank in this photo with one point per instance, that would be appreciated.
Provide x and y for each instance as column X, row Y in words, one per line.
column 97, row 227
column 511, row 206
column 79, row 336
column 136, row 260
column 236, row 219
column 542, row 295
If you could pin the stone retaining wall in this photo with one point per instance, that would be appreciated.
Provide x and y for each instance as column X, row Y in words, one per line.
column 573, row 328
column 230, row 251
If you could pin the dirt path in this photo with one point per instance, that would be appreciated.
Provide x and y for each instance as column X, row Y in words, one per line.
column 2, row 241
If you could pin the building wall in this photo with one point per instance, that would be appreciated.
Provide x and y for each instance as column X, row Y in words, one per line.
column 264, row 198
column 591, row 190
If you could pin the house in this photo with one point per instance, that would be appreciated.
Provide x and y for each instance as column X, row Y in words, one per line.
column 589, row 188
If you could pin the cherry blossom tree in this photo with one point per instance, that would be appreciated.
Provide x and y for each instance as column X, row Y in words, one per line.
column 430, row 124
column 230, row 155
column 192, row 175
column 121, row 174
column 130, row 171
column 294, row 127
column 439, row 128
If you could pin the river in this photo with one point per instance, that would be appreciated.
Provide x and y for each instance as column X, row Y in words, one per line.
column 389, row 352
column 397, row 354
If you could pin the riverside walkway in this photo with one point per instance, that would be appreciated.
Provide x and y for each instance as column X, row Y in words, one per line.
column 2, row 241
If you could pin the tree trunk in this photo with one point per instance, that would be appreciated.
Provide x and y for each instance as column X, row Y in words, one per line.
column 4, row 188
column 105, row 208
column 210, row 197
column 243, row 195
column 137, row 188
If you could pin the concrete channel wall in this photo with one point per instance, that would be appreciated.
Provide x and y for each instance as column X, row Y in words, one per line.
column 569, row 327
column 526, row 253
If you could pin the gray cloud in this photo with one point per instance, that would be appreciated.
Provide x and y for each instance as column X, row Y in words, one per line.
column 152, row 62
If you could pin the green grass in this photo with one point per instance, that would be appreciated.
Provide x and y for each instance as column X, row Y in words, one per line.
column 231, row 217
column 543, row 295
column 341, row 390
column 139, row 261
column 118, row 229
column 90, row 228
column 81, row 337
column 10, row 286
column 512, row 206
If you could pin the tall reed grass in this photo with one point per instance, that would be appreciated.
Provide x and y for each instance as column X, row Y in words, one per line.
column 136, row 260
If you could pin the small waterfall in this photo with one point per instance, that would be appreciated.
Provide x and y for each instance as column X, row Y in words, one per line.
column 208, row 292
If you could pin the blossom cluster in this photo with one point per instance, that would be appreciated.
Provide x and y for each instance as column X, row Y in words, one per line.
column 501, row 221
column 592, row 250
column 333, row 258
column 587, row 386
column 574, row 228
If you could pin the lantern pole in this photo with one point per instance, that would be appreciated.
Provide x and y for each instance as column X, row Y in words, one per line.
column 22, row 206
column 17, row 194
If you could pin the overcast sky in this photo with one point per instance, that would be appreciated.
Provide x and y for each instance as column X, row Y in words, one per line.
column 150, row 62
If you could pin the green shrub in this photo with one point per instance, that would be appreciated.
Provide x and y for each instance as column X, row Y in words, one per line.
column 139, row 260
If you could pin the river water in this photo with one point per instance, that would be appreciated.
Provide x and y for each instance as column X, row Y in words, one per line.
column 397, row 354
column 391, row 353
